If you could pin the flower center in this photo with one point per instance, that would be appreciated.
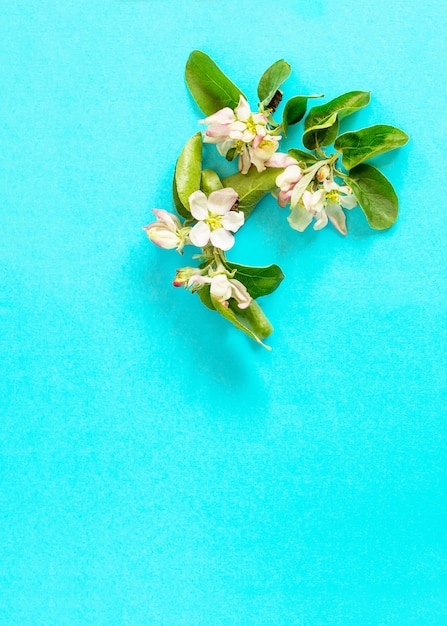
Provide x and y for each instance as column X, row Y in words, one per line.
column 214, row 221
column 251, row 126
column 332, row 196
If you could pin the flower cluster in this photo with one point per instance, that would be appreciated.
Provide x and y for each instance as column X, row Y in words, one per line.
column 216, row 219
column 244, row 134
column 321, row 200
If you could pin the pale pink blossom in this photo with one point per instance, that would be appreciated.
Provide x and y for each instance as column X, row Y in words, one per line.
column 287, row 181
column 166, row 231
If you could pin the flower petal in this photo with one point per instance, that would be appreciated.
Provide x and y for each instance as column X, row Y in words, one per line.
column 348, row 202
column 244, row 161
column 290, row 176
column 281, row 159
column 299, row 219
column 330, row 185
column 240, row 293
column 242, row 111
column 198, row 279
column 238, row 126
column 221, row 201
column 337, row 217
column 233, row 220
column 224, row 116
column 220, row 287
column 198, row 205
column 170, row 220
column 199, row 234
column 218, row 130
column 321, row 220
column 318, row 200
column 162, row 236
column 221, row 238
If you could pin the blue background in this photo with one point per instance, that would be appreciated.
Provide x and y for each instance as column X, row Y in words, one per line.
column 157, row 468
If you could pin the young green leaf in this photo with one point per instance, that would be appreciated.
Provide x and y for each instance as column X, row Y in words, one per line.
column 253, row 317
column 181, row 210
column 294, row 111
column 188, row 170
column 302, row 155
column 271, row 80
column 360, row 145
column 259, row 281
column 375, row 195
column 321, row 125
column 253, row 186
column 210, row 182
column 253, row 324
column 209, row 86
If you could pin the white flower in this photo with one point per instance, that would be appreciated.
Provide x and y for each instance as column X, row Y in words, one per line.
column 223, row 288
column 166, row 231
column 215, row 218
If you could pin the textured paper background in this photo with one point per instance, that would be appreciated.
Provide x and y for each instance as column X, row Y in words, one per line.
column 156, row 467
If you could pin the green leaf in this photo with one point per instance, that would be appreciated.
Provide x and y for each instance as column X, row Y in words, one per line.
column 271, row 80
column 210, row 182
column 205, row 296
column 209, row 86
column 321, row 125
column 259, row 281
column 302, row 155
column 181, row 210
column 375, row 195
column 360, row 145
column 250, row 321
column 253, row 186
column 295, row 110
column 188, row 170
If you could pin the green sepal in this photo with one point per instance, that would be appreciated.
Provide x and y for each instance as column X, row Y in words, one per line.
column 250, row 321
column 361, row 145
column 295, row 110
column 209, row 86
column 322, row 123
column 375, row 195
column 259, row 281
column 210, row 182
column 253, row 186
column 188, row 171
column 271, row 80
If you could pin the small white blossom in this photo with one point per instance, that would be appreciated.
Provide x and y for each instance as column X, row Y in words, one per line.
column 216, row 221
